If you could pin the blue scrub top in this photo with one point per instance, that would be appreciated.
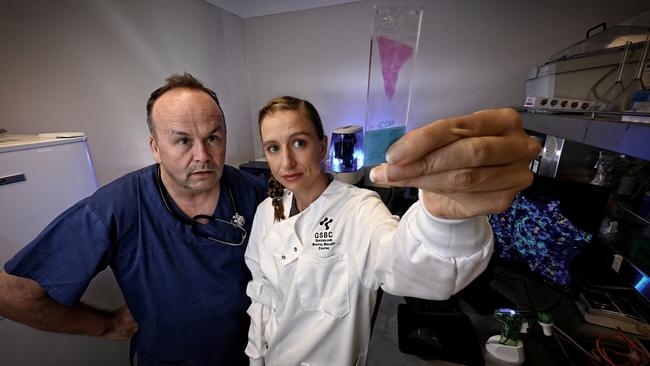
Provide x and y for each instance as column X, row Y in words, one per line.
column 187, row 294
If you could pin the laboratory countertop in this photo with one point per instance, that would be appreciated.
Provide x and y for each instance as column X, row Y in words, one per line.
column 539, row 349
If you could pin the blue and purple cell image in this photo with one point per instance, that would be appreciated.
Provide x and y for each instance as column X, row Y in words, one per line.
column 536, row 233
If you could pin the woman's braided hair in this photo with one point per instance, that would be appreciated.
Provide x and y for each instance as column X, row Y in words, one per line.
column 287, row 103
column 276, row 191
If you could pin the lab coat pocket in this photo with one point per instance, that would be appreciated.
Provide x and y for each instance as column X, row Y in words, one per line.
column 323, row 284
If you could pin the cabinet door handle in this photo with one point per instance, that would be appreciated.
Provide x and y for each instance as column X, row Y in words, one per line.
column 15, row 178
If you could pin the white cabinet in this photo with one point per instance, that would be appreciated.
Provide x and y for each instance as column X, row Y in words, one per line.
column 39, row 179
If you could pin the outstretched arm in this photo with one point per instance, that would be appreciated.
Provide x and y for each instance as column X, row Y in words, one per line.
column 23, row 300
column 466, row 166
column 422, row 256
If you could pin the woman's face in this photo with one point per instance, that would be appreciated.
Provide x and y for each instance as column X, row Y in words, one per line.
column 293, row 150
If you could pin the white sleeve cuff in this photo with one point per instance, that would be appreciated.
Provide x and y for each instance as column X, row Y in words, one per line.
column 448, row 238
column 256, row 361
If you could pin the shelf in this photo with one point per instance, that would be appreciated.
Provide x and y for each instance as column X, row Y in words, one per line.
column 601, row 130
column 632, row 240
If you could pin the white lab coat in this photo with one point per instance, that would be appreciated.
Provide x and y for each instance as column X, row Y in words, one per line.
column 316, row 274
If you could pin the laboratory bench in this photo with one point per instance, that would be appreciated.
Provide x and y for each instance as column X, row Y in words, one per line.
column 501, row 288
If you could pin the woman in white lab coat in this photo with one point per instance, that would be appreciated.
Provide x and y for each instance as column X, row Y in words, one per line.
column 320, row 249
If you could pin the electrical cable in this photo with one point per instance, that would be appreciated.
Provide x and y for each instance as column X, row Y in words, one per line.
column 575, row 344
column 564, row 352
column 550, row 347
column 633, row 356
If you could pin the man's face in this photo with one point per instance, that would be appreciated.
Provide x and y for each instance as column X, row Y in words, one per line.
column 189, row 141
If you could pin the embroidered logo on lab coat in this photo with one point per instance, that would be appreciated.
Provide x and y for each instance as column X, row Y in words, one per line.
column 324, row 239
column 326, row 221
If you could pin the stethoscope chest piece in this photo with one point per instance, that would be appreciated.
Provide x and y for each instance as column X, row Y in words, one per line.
column 238, row 220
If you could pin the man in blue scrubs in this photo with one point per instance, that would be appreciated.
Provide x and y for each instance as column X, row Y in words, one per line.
column 183, row 276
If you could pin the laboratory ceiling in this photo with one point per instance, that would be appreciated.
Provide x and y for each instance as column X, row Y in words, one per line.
column 254, row 8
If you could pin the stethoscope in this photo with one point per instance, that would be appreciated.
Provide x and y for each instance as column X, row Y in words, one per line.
column 237, row 221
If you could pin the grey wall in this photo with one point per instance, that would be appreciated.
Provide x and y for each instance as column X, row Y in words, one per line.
column 73, row 65
column 89, row 66
column 473, row 54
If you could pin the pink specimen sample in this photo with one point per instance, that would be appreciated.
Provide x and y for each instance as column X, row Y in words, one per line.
column 393, row 55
